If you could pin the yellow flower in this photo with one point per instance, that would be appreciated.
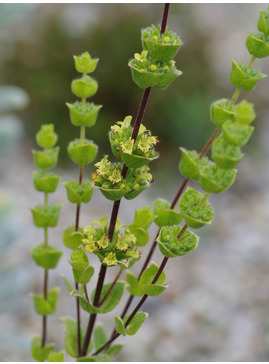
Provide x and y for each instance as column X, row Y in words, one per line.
column 116, row 176
column 110, row 259
column 121, row 243
column 103, row 167
column 103, row 243
column 127, row 147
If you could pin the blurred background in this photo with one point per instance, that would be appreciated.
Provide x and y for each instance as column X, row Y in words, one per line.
column 216, row 308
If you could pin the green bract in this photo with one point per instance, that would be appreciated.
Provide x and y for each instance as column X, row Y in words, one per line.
column 47, row 158
column 144, row 284
column 137, row 181
column 213, row 179
column 263, row 22
column 162, row 48
column 46, row 256
column 84, row 87
column 188, row 165
column 237, row 133
column 226, row 155
column 165, row 215
column 220, row 111
column 85, row 63
column 46, row 306
column 82, row 152
column 146, row 72
column 46, row 216
column 46, row 138
column 56, row 357
column 38, row 352
column 83, row 115
column 245, row 77
column 78, row 193
column 134, row 154
column 258, row 45
column 81, row 270
column 244, row 112
column 72, row 239
column 45, row 182
column 195, row 210
column 169, row 244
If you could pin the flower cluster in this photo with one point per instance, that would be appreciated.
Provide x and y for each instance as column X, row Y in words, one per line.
column 120, row 250
column 155, row 67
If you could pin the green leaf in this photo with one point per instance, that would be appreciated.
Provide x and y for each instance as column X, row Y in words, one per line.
column 136, row 322
column 72, row 239
column 114, row 349
column 220, row 111
column 46, row 216
column 85, row 304
column 257, row 45
column 214, row 179
column 56, row 357
column 85, row 63
column 244, row 112
column 195, row 211
column 38, row 352
column 188, row 165
column 120, row 326
column 145, row 282
column 141, row 235
column 165, row 215
column 45, row 181
column 226, row 155
column 82, row 152
column 46, row 256
column 237, row 133
column 79, row 192
column 133, row 287
column 172, row 246
column 113, row 298
column 68, row 284
column 143, row 217
column 71, row 336
column 263, row 22
column 87, row 359
column 47, row 158
column 244, row 76
column 46, row 306
column 84, row 276
column 100, row 337
column 83, row 114
column 84, row 87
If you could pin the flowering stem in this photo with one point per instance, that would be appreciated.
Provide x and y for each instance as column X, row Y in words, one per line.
column 45, row 284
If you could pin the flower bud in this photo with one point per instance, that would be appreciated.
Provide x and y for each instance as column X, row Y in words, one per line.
column 81, row 115
column 82, row 152
column 45, row 182
column 46, row 138
column 84, row 87
column 161, row 48
column 46, row 256
column 245, row 77
column 47, row 158
column 79, row 193
column 85, row 63
column 46, row 216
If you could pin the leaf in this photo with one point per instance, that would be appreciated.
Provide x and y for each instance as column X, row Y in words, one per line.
column 68, row 284
column 113, row 298
column 46, row 256
column 85, row 304
column 85, row 276
column 87, row 358
column 114, row 349
column 72, row 239
column 141, row 235
column 100, row 337
column 145, row 282
column 133, row 287
column 71, row 336
column 136, row 322
column 46, row 306
column 120, row 326
column 56, row 357
column 144, row 217
column 39, row 353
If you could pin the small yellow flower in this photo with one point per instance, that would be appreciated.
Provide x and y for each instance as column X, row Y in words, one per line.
column 166, row 39
column 127, row 147
column 144, row 145
column 103, row 243
column 103, row 167
column 110, row 259
column 115, row 177
column 153, row 67
column 89, row 245
column 155, row 37
column 121, row 243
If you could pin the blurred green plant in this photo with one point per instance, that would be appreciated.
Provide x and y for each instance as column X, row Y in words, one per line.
column 135, row 147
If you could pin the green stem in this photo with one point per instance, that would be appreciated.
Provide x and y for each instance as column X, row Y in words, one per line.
column 82, row 132
column 235, row 95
